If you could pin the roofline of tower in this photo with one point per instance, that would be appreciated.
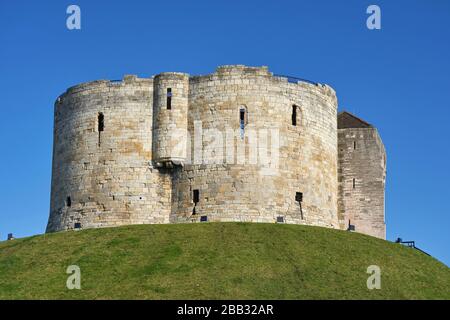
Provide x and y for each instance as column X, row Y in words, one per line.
column 220, row 70
column 357, row 118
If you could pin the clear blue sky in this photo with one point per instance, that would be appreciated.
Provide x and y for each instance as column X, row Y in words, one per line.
column 397, row 78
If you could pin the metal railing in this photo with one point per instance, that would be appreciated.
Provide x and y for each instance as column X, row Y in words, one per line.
column 411, row 244
column 292, row 79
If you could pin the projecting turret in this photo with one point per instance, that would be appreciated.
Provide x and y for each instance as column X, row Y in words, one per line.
column 170, row 119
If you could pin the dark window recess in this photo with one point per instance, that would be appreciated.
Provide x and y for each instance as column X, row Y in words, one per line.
column 101, row 122
column 294, row 115
column 68, row 202
column 299, row 199
column 280, row 219
column 242, row 121
column 351, row 227
column 196, row 196
column 203, row 218
column 354, row 183
column 169, row 99
column 195, row 199
column 354, row 145
column 100, row 126
column 77, row 225
column 242, row 115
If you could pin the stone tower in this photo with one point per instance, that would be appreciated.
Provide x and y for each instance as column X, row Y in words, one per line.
column 362, row 176
column 240, row 144
column 170, row 118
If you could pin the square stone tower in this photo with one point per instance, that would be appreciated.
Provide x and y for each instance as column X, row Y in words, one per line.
column 361, row 176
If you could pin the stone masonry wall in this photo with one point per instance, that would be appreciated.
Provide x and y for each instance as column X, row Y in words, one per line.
column 244, row 189
column 362, row 175
column 228, row 139
column 106, row 178
column 170, row 125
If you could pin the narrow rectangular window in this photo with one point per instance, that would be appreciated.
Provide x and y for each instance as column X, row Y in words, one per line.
column 169, row 99
column 101, row 122
column 68, row 202
column 354, row 145
column 242, row 121
column 299, row 199
column 100, row 127
column 196, row 196
column 294, row 115
column 354, row 183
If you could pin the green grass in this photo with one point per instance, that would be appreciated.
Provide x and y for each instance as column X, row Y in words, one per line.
column 217, row 261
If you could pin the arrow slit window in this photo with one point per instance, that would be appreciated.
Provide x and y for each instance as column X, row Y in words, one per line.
column 169, row 99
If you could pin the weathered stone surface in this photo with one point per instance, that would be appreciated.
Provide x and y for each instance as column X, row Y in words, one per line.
column 150, row 159
column 362, row 176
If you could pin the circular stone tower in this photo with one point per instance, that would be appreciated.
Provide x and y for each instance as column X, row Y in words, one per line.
column 239, row 144
column 170, row 112
column 264, row 150
column 102, row 172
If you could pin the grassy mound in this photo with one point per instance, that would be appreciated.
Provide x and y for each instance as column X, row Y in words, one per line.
column 217, row 261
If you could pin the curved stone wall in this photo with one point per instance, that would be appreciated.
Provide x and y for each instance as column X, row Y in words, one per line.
column 170, row 118
column 106, row 178
column 236, row 188
column 243, row 157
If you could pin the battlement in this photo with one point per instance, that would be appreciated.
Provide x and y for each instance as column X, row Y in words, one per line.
column 239, row 69
column 102, row 85
column 172, row 75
